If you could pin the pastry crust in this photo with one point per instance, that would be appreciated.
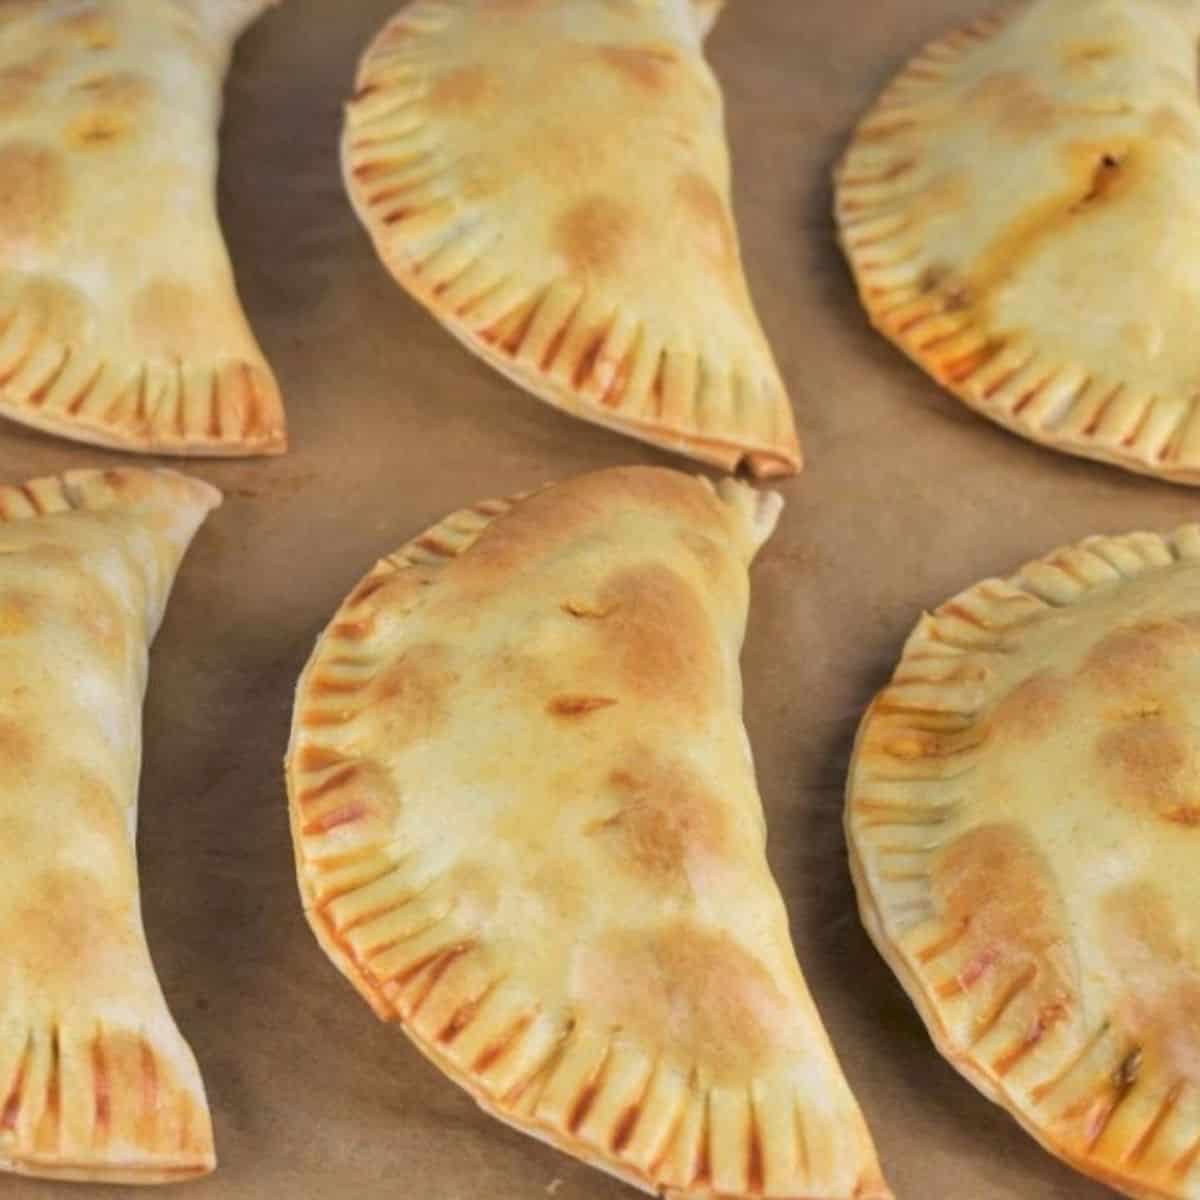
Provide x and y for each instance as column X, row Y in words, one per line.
column 550, row 179
column 96, row 1082
column 1022, row 814
column 1019, row 209
column 527, row 829
column 120, row 323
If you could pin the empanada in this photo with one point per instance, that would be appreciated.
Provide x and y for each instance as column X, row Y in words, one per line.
column 120, row 323
column 1021, row 211
column 95, row 1080
column 550, row 179
column 1023, row 814
column 527, row 828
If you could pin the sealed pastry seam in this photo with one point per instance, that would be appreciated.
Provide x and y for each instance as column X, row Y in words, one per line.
column 552, row 276
column 421, row 952
column 120, row 323
column 1012, row 211
column 96, row 1082
column 1016, row 946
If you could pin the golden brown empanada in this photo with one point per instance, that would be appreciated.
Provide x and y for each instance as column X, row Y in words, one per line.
column 1023, row 814
column 120, row 323
column 550, row 179
column 527, row 828
column 1020, row 211
column 95, row 1080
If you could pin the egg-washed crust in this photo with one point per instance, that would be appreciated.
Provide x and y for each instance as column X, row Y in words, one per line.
column 120, row 323
column 530, row 923
column 1020, row 831
column 1017, row 210
column 96, row 1083
column 550, row 179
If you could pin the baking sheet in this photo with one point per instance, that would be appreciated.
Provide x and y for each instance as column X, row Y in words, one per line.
column 907, row 498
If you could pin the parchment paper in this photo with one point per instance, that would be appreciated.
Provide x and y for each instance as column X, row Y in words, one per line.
column 907, row 498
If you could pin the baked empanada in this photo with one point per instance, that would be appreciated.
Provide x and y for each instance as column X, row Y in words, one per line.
column 120, row 323
column 95, row 1080
column 1020, row 209
column 550, row 179
column 1023, row 813
column 527, row 828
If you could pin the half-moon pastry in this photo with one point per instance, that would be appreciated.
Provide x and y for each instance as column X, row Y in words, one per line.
column 120, row 323
column 527, row 829
column 1020, row 208
column 551, row 180
column 1023, row 813
column 96, row 1082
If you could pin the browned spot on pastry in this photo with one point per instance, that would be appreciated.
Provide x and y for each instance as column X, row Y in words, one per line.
column 595, row 236
column 16, row 614
column 1041, row 223
column 1134, row 657
column 60, row 310
column 464, row 89
column 1105, row 173
column 1167, row 123
column 1032, row 709
column 512, row 8
column 98, row 128
column 33, row 193
column 12, row 11
column 410, row 697
column 122, row 91
column 994, row 885
column 94, row 807
column 1084, row 56
column 1150, row 763
column 681, row 985
column 91, row 28
column 544, row 522
column 17, row 747
column 169, row 318
column 20, row 84
column 667, row 820
column 587, row 609
column 68, row 916
column 648, row 67
column 1014, row 105
column 1155, row 966
column 659, row 640
column 578, row 706
column 708, row 215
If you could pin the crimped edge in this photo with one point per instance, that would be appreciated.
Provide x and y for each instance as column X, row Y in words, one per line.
column 1064, row 576
column 230, row 410
column 1061, row 405
column 49, row 1058
column 523, row 331
column 94, row 490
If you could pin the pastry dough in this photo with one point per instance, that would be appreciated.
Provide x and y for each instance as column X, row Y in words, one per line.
column 550, row 179
column 119, row 320
column 527, row 828
column 1021, row 211
column 1023, row 814
column 95, row 1081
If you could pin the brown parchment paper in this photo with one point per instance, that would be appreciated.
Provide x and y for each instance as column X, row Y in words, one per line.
column 907, row 498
